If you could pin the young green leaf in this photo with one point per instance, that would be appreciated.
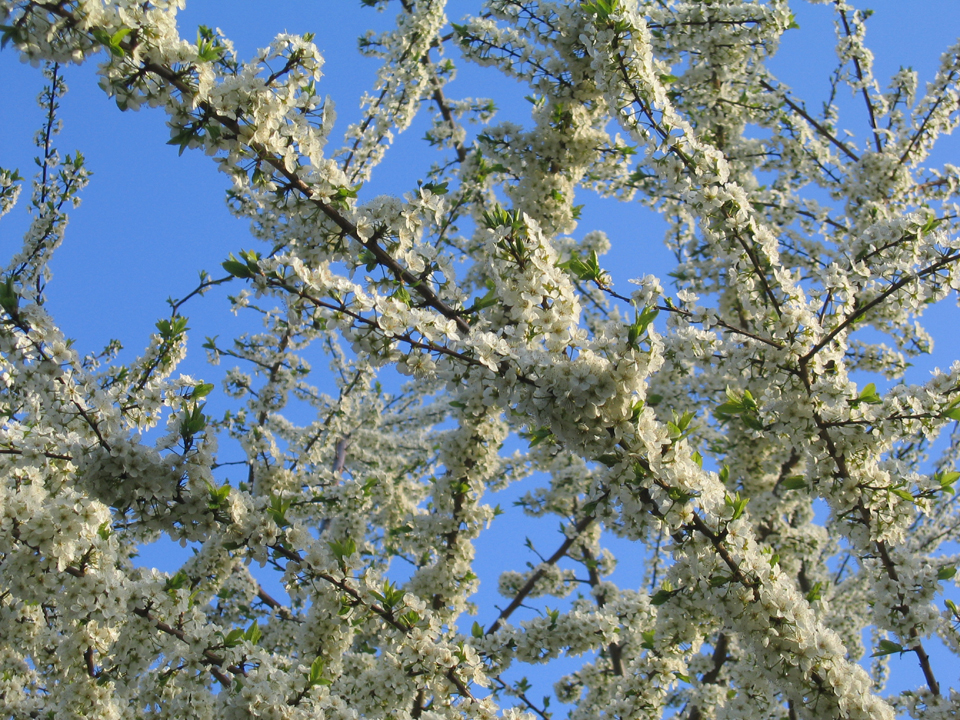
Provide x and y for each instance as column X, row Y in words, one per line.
column 253, row 633
column 888, row 647
column 794, row 482
column 946, row 573
column 868, row 395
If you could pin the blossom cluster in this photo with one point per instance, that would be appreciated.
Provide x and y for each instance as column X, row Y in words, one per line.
column 781, row 507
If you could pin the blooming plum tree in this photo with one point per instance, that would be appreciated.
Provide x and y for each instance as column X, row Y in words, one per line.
column 795, row 534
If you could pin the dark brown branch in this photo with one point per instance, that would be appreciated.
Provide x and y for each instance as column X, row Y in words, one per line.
column 523, row 698
column 863, row 90
column 687, row 314
column 528, row 586
column 860, row 310
column 923, row 126
column 88, row 661
column 614, row 648
column 711, row 676
column 889, row 565
column 209, row 657
column 816, row 126
column 49, row 455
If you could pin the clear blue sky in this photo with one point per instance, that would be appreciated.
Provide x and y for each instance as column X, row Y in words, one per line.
column 150, row 219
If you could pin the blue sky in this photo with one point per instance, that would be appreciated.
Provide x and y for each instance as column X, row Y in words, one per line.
column 150, row 219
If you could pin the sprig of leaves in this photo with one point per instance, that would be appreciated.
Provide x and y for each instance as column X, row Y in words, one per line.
column 112, row 42
column 740, row 405
column 587, row 269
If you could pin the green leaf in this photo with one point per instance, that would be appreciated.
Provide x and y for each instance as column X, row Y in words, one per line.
column 535, row 437
column 208, row 48
column 111, row 42
column 662, row 596
column 679, row 496
column 201, row 390
column 209, row 53
column 436, row 188
column 9, row 300
column 554, row 616
column 183, row 138
column 588, row 269
column 736, row 504
column 491, row 298
column 118, row 36
column 236, row 268
column 391, row 595
column 173, row 329
column 931, row 225
column 409, row 618
column 945, row 573
column 795, row 482
column 233, row 638
column 342, row 550
column 244, row 270
column 477, row 630
column 343, row 195
column 609, row 459
column 728, row 410
column 175, row 582
column 905, row 494
column 947, row 479
column 401, row 294
column 253, row 633
column 641, row 321
column 10, row 32
column 278, row 510
column 218, row 495
column 316, row 672
column 868, row 395
column 888, row 647
column 590, row 508
column 193, row 422
column 602, row 9
column 741, row 406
